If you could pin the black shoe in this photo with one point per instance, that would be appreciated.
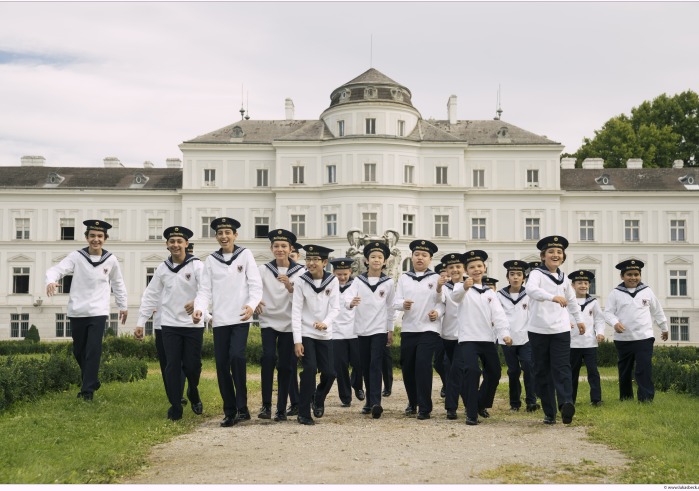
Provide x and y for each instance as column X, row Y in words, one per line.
column 443, row 392
column 533, row 407
column 596, row 403
column 423, row 415
column 265, row 412
column 346, row 404
column 359, row 394
column 193, row 394
column 484, row 413
column 87, row 396
column 174, row 415
column 318, row 411
column 376, row 411
column 567, row 412
column 183, row 401
column 451, row 414
column 386, row 393
column 243, row 415
column 514, row 409
column 472, row 422
column 292, row 410
column 280, row 416
column 549, row 420
column 410, row 411
column 197, row 408
column 80, row 394
column 366, row 410
column 305, row 421
column 228, row 421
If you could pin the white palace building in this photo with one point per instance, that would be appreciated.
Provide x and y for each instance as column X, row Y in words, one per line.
column 369, row 162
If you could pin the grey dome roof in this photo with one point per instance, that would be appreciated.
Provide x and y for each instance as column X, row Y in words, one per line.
column 371, row 86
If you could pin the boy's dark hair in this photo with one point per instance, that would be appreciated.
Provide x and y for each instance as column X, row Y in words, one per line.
column 106, row 235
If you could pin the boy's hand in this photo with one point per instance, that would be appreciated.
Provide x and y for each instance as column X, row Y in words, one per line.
column 138, row 333
column 51, row 289
column 389, row 342
column 581, row 328
column 258, row 309
column 619, row 327
column 246, row 313
column 298, row 350
column 355, row 301
column 320, row 326
column 663, row 335
column 123, row 314
column 189, row 307
column 433, row 315
column 508, row 340
column 196, row 316
column 407, row 304
column 560, row 301
column 468, row 283
column 600, row 338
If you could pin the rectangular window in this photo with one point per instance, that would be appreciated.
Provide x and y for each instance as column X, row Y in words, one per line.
column 331, row 173
column 112, row 323
column 370, row 126
column 22, row 228
column 67, row 228
column 679, row 328
column 155, row 229
column 19, row 325
column 261, row 227
column 114, row 231
column 441, row 175
column 587, row 230
column 298, row 225
column 331, row 224
column 678, row 283
column 408, row 225
column 20, row 280
column 677, row 230
column 62, row 326
column 297, row 174
column 478, row 178
column 262, row 178
column 400, row 129
column 531, row 229
column 206, row 231
column 149, row 327
column 210, row 177
column 150, row 272
column 65, row 283
column 533, row 178
column 441, row 225
column 632, row 230
column 369, row 172
column 478, row 228
column 369, row 223
column 409, row 174
column 341, row 128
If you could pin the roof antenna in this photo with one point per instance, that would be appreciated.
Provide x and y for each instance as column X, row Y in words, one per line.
column 242, row 109
column 499, row 109
column 247, row 109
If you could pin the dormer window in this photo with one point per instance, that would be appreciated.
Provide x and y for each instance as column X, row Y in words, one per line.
column 397, row 94
column 139, row 178
column 345, row 95
column 54, row 178
column 371, row 93
column 238, row 132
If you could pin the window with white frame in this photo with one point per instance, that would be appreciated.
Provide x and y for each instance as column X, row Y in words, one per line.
column 370, row 126
column 331, row 172
column 592, row 290
column 148, row 331
column 478, row 178
column 369, row 172
column 587, row 230
column 64, row 284
column 369, row 223
column 67, row 228
column 478, row 228
column 341, row 128
column 150, row 272
column 679, row 328
column 533, row 178
column 22, row 228
column 20, row 279
column 409, row 174
column 400, row 128
column 678, row 283
column 331, row 224
column 441, row 177
column 678, row 230
column 632, row 230
column 406, row 264
column 408, row 225
column 298, row 225
column 206, row 231
column 297, row 172
column 262, row 178
column 209, row 177
column 112, row 323
column 19, row 325
column 441, row 225
column 261, row 227
column 531, row 229
column 114, row 231
column 155, row 229
column 63, row 326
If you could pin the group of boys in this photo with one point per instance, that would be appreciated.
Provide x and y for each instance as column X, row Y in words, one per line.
column 331, row 321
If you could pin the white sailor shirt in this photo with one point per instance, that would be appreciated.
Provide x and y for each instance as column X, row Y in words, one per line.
column 277, row 310
column 375, row 313
column 481, row 317
column 636, row 309
column 314, row 301
column 593, row 318
column 545, row 316
column 516, row 308
column 344, row 322
column 421, row 288
column 450, row 320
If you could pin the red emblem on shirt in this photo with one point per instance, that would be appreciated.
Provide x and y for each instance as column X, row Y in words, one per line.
column 188, row 276
column 240, row 269
column 327, row 292
column 381, row 293
column 524, row 306
column 646, row 302
column 106, row 270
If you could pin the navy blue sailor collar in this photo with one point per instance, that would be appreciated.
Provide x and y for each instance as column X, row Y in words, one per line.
column 327, row 279
column 364, row 278
column 175, row 268
column 557, row 278
column 413, row 275
column 505, row 292
column 290, row 271
column 218, row 255
column 85, row 252
column 622, row 288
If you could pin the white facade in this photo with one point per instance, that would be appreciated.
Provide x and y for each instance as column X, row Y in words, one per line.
column 369, row 162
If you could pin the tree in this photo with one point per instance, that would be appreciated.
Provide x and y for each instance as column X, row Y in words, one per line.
column 32, row 334
column 659, row 132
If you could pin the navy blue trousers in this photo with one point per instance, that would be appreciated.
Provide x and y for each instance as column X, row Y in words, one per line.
column 317, row 356
column 552, row 373
column 277, row 351
column 589, row 356
column 87, row 333
column 229, row 350
column 519, row 361
column 183, row 353
column 416, row 354
column 346, row 353
column 371, row 351
column 639, row 353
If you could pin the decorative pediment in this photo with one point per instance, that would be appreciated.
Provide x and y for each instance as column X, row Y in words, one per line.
column 588, row 260
column 154, row 258
column 60, row 258
column 21, row 258
column 679, row 260
column 263, row 257
column 531, row 258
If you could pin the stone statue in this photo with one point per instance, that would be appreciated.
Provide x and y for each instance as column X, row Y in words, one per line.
column 357, row 240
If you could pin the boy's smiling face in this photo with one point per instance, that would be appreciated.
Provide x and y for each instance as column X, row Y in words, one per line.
column 631, row 278
column 476, row 270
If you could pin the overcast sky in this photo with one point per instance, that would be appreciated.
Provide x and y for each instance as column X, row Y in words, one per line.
column 84, row 81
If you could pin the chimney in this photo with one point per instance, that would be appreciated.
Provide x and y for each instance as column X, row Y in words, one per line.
column 112, row 162
column 173, row 163
column 148, row 164
column 593, row 164
column 678, row 164
column 451, row 109
column 289, row 108
column 33, row 161
column 634, row 164
column 568, row 163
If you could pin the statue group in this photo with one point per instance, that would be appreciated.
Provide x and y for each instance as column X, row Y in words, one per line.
column 357, row 240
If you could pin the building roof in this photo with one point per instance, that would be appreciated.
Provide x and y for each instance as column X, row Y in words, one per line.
column 253, row 131
column 90, row 177
column 638, row 180
column 490, row 132
column 372, row 76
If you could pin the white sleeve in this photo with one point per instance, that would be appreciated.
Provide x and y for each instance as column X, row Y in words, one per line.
column 118, row 286
column 610, row 309
column 297, row 313
column 203, row 299
column 334, row 304
column 598, row 317
column 390, row 310
column 534, row 289
column 398, row 298
column 657, row 312
column 254, row 281
column 65, row 267
column 150, row 301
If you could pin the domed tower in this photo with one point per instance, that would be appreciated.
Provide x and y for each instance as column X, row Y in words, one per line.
column 371, row 105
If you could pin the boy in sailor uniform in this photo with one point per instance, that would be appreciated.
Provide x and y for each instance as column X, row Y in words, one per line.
column 583, row 347
column 345, row 342
column 518, row 356
column 440, row 360
column 419, row 296
column 274, row 313
column 631, row 309
column 174, row 285
column 481, row 321
column 293, row 409
column 231, row 283
column 96, row 275
column 316, row 305
column 372, row 296
column 549, row 326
